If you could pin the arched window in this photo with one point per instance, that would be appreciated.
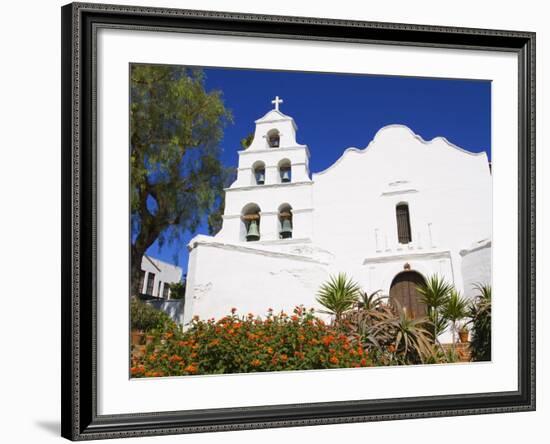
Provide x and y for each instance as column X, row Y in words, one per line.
column 251, row 221
column 285, row 221
column 285, row 171
column 403, row 223
column 273, row 138
column 259, row 173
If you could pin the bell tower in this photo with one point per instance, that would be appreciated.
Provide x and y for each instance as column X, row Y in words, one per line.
column 271, row 199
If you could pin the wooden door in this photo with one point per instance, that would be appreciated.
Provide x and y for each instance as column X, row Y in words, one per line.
column 403, row 290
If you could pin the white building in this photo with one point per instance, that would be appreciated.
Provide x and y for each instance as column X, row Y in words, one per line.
column 389, row 215
column 156, row 275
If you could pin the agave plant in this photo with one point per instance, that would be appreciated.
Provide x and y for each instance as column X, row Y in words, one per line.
column 455, row 310
column 338, row 295
column 410, row 338
column 479, row 313
column 434, row 293
column 370, row 310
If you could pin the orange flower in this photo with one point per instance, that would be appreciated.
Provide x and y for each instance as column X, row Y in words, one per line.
column 284, row 357
column 214, row 342
column 191, row 369
column 153, row 358
column 327, row 340
column 175, row 358
column 255, row 363
column 168, row 335
column 391, row 348
column 333, row 360
column 269, row 350
column 363, row 362
column 294, row 318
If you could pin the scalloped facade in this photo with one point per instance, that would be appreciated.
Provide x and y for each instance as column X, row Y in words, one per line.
column 343, row 220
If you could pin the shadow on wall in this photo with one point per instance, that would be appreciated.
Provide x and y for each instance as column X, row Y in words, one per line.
column 173, row 308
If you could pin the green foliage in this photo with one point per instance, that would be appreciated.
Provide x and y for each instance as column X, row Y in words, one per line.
column 247, row 141
column 480, row 318
column 176, row 174
column 455, row 309
column 242, row 344
column 338, row 295
column 177, row 289
column 144, row 317
column 411, row 342
column 435, row 295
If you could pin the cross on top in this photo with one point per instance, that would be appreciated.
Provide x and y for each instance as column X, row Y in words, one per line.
column 276, row 102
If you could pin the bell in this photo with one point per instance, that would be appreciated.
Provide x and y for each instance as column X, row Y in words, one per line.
column 285, row 176
column 260, row 177
column 286, row 229
column 253, row 234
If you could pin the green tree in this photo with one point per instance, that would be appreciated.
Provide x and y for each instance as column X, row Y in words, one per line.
column 338, row 295
column 434, row 293
column 175, row 170
column 247, row 141
column 177, row 289
column 454, row 310
column 480, row 318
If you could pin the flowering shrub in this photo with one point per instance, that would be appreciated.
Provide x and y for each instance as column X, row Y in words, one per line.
column 243, row 344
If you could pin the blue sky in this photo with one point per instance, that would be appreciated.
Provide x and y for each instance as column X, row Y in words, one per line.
column 337, row 111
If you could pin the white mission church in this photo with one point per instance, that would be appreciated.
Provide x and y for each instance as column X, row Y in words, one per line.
column 388, row 215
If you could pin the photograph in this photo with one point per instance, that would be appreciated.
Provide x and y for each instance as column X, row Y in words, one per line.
column 295, row 220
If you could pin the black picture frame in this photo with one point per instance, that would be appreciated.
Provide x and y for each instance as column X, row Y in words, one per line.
column 80, row 420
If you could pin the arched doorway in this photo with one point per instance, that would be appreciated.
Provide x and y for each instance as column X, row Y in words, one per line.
column 403, row 290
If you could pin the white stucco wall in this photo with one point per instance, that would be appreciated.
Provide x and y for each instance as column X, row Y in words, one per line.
column 476, row 267
column 250, row 278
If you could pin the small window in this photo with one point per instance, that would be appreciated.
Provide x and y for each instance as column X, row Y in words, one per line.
column 166, row 291
column 141, row 280
column 150, row 283
column 159, row 289
column 403, row 223
column 273, row 139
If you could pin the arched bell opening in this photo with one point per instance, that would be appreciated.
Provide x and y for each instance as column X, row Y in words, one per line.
column 285, row 171
column 251, row 220
column 273, row 138
column 404, row 293
column 258, row 170
column 285, row 221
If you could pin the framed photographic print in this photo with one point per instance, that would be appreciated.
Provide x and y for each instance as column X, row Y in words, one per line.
column 278, row 221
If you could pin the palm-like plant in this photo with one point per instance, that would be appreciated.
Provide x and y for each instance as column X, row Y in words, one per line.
column 434, row 293
column 454, row 310
column 338, row 295
column 480, row 318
